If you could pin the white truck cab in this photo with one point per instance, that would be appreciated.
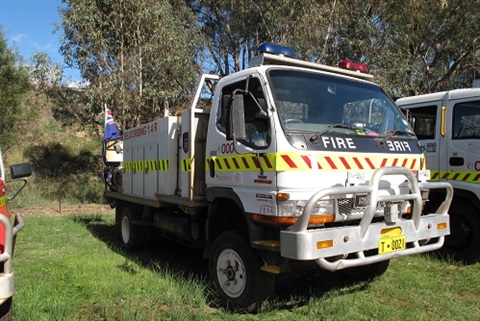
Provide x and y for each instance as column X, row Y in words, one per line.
column 447, row 125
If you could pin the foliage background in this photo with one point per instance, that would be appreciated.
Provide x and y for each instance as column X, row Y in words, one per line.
column 143, row 57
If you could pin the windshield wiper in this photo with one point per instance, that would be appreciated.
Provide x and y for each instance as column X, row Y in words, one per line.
column 315, row 137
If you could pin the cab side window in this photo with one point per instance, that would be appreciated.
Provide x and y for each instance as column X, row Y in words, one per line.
column 424, row 121
column 466, row 120
column 257, row 123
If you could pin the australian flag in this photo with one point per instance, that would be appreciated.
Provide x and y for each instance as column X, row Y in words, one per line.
column 111, row 130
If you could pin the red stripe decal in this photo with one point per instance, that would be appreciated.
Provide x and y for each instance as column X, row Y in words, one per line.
column 345, row 163
column 357, row 161
column 466, row 177
column 455, row 176
column 395, row 161
column 414, row 162
column 330, row 162
column 384, row 162
column 476, row 178
column 405, row 162
column 289, row 161
column 306, row 159
column 370, row 163
column 218, row 163
column 435, row 176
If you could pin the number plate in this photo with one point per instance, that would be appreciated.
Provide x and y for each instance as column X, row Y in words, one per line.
column 389, row 244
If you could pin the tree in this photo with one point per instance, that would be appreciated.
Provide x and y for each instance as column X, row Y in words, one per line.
column 13, row 85
column 437, row 39
column 410, row 46
column 44, row 73
column 137, row 55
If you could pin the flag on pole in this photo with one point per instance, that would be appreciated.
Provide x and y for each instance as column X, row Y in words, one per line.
column 111, row 129
column 110, row 132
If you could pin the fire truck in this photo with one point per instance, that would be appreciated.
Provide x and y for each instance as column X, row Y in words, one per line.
column 447, row 125
column 293, row 166
column 10, row 225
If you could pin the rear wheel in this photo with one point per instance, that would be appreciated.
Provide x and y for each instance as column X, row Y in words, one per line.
column 463, row 243
column 6, row 310
column 234, row 269
column 131, row 235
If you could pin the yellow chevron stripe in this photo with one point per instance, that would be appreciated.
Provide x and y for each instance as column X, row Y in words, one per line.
column 464, row 176
column 150, row 165
column 186, row 164
column 243, row 163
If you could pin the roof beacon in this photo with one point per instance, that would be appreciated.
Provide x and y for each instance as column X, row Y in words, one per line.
column 354, row 66
column 276, row 50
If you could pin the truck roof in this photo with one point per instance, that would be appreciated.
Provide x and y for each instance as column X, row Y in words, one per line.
column 271, row 59
column 442, row 95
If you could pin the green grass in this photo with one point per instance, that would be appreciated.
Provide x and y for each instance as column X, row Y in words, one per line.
column 70, row 267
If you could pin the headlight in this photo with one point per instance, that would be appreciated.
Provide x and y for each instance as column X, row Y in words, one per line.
column 295, row 208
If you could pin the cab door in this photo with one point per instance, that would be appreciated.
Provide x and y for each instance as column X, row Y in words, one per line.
column 244, row 165
column 463, row 149
column 426, row 122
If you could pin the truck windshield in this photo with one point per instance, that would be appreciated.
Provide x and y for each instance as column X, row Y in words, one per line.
column 318, row 103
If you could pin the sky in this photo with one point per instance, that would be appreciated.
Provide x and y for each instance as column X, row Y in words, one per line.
column 28, row 26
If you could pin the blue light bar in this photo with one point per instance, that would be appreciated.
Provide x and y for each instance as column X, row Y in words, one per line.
column 275, row 49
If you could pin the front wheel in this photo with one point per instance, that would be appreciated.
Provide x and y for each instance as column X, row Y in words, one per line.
column 234, row 269
column 463, row 243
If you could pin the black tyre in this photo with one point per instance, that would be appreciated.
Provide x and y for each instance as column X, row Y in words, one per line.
column 366, row 272
column 6, row 310
column 234, row 269
column 463, row 243
column 132, row 236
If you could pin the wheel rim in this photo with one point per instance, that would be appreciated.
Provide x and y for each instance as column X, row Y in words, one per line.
column 231, row 273
column 125, row 230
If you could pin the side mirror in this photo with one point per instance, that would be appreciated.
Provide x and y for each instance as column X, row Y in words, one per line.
column 236, row 115
column 20, row 170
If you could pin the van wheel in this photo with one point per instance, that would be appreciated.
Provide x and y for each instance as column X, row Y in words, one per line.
column 132, row 236
column 463, row 243
column 366, row 272
column 6, row 310
column 234, row 269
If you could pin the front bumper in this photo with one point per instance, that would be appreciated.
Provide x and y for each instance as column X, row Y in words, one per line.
column 358, row 245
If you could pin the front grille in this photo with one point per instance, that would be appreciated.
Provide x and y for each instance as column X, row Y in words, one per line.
column 346, row 207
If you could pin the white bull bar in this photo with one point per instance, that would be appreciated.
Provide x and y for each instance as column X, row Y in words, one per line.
column 299, row 243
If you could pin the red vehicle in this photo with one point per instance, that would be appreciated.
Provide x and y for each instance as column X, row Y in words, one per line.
column 10, row 225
